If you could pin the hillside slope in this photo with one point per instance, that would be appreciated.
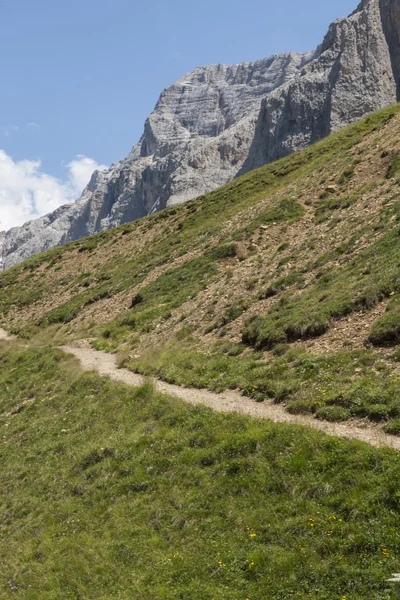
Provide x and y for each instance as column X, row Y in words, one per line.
column 283, row 284
column 110, row 493
column 220, row 121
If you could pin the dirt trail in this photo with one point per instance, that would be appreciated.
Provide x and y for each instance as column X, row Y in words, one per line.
column 227, row 402
column 232, row 402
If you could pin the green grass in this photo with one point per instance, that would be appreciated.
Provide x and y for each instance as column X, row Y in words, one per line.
column 110, row 492
column 394, row 165
column 158, row 299
column 65, row 313
column 336, row 387
column 347, row 174
column 231, row 314
column 286, row 210
column 360, row 284
column 325, row 208
column 386, row 330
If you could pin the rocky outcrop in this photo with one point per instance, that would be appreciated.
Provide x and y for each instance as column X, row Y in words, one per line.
column 220, row 121
column 350, row 77
column 390, row 15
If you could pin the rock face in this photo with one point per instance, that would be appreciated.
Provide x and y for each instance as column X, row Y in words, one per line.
column 350, row 77
column 220, row 121
column 390, row 15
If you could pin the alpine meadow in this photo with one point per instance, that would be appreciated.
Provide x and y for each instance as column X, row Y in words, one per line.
column 200, row 358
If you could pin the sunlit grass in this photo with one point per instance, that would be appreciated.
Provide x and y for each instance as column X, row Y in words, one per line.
column 110, row 492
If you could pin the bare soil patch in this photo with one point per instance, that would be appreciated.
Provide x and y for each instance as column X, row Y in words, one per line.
column 4, row 336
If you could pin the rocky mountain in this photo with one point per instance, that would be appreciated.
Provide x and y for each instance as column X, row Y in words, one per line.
column 220, row 121
column 196, row 139
column 351, row 76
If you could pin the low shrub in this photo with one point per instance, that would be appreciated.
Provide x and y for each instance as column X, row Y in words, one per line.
column 303, row 407
column 136, row 300
column 386, row 331
column 224, row 251
column 378, row 412
column 333, row 414
column 393, row 427
column 394, row 165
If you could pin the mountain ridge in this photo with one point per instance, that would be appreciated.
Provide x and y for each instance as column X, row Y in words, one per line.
column 131, row 187
column 220, row 121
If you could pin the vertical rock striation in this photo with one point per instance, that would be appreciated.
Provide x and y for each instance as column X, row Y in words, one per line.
column 350, row 77
column 220, row 121
column 390, row 15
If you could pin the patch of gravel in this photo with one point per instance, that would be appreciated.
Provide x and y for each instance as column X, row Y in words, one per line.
column 4, row 336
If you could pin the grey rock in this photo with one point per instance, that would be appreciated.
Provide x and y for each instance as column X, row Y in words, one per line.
column 220, row 121
column 350, row 77
column 390, row 14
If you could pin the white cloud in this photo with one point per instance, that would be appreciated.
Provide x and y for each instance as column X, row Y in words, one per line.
column 26, row 192
column 81, row 170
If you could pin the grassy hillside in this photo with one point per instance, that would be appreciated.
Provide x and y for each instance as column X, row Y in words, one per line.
column 109, row 492
column 284, row 283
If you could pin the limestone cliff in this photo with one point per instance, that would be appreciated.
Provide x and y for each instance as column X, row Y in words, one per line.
column 350, row 77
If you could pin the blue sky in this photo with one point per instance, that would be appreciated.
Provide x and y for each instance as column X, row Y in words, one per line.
column 79, row 77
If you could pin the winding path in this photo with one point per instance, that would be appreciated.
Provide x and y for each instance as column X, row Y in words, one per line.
column 232, row 402
column 228, row 402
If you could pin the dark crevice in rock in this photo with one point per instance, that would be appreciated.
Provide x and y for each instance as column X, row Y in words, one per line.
column 390, row 12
